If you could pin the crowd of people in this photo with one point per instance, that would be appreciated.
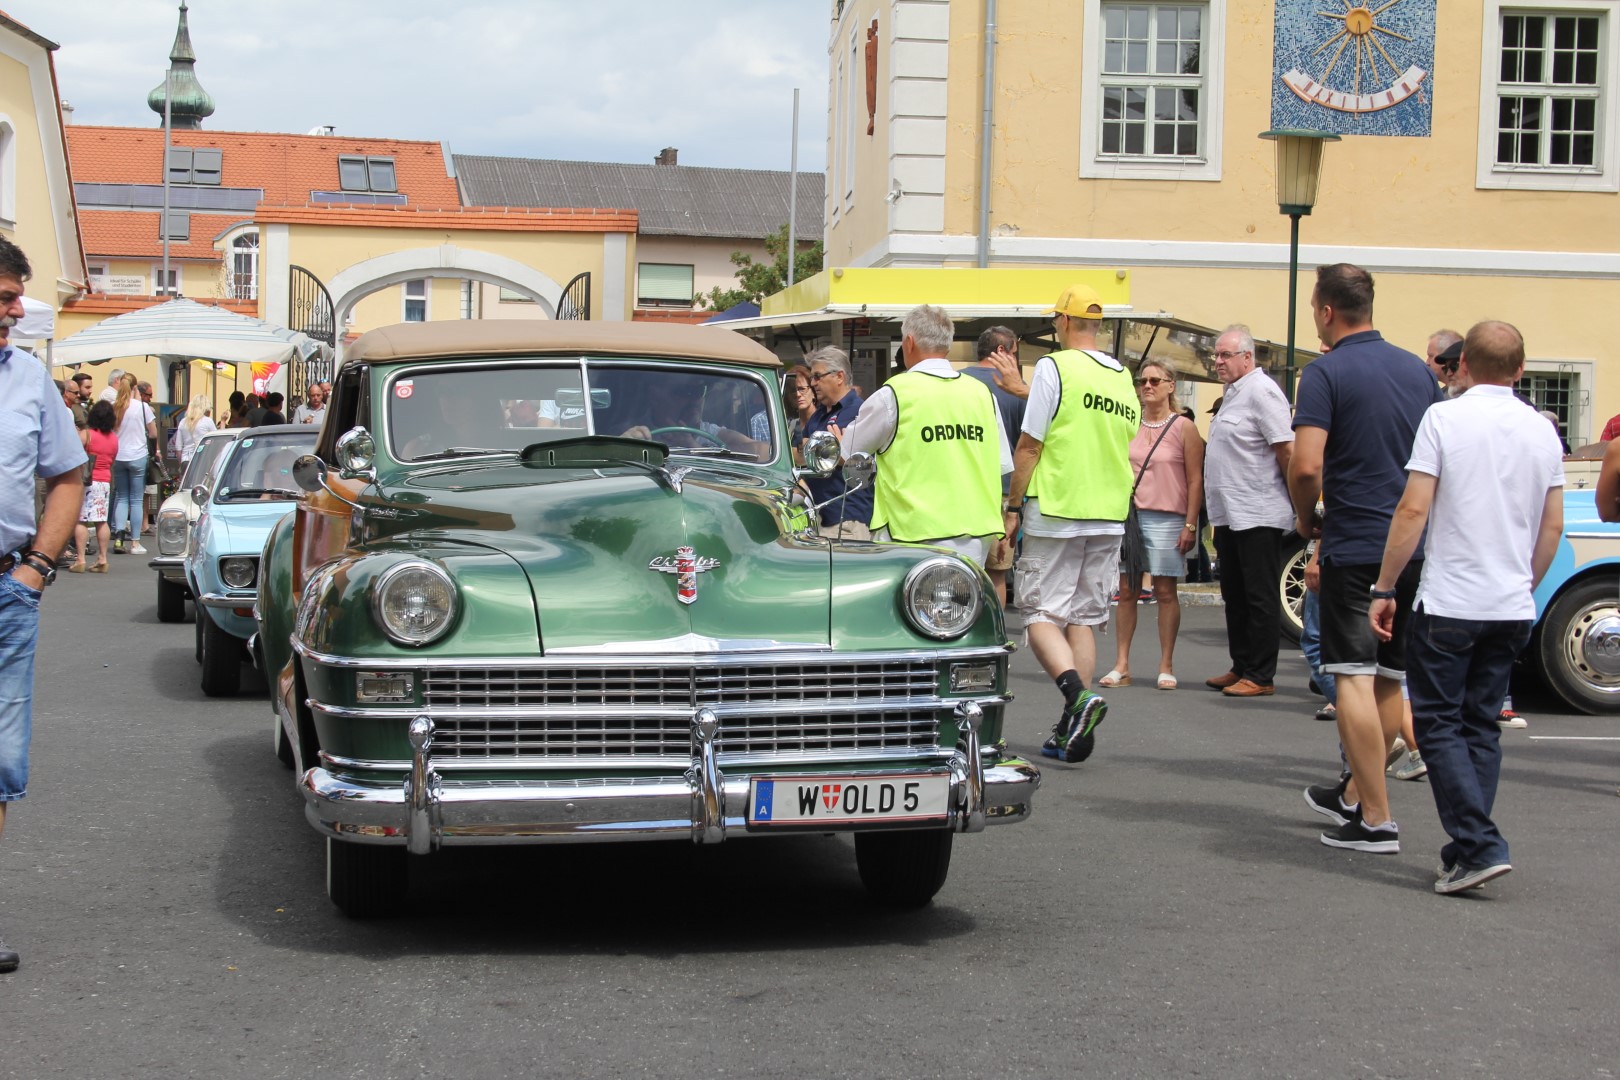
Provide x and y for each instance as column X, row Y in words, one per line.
column 1107, row 479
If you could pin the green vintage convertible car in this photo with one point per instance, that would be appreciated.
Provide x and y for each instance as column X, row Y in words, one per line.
column 557, row 582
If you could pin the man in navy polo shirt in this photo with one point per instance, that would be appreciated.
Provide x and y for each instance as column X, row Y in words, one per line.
column 1353, row 428
column 837, row 406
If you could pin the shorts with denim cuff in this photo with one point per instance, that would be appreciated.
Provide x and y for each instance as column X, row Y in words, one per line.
column 1349, row 646
column 19, row 631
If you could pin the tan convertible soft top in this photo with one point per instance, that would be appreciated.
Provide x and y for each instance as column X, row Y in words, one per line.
column 521, row 337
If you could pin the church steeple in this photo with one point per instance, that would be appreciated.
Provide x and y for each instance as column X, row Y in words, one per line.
column 191, row 102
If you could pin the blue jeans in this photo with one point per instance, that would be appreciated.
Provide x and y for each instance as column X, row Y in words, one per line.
column 1457, row 672
column 19, row 630
column 1310, row 643
column 128, row 489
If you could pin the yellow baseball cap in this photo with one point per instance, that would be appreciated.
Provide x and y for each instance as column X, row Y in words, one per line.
column 1080, row 302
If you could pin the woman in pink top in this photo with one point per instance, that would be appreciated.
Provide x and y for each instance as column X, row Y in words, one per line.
column 101, row 441
column 1168, row 498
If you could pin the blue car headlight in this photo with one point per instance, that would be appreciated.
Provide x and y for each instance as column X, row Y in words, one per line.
column 239, row 571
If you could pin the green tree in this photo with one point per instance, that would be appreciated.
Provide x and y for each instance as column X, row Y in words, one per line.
column 756, row 280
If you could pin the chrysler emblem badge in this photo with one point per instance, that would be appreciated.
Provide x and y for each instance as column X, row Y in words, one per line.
column 686, row 566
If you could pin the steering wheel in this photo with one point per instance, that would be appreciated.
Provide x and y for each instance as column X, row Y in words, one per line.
column 699, row 432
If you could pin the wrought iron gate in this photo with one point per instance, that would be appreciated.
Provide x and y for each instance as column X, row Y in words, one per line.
column 575, row 302
column 311, row 313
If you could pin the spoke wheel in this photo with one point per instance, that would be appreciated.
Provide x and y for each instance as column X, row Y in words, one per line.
column 903, row 869
column 1291, row 588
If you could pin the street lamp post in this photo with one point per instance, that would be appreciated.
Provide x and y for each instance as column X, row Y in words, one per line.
column 1299, row 170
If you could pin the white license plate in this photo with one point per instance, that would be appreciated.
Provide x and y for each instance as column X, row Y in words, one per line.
column 820, row 800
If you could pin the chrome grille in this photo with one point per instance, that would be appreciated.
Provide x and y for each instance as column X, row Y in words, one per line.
column 595, row 711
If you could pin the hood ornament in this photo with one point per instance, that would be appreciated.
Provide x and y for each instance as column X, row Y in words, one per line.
column 686, row 566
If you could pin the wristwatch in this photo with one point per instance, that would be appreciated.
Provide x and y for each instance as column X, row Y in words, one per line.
column 1015, row 511
column 40, row 563
column 1380, row 594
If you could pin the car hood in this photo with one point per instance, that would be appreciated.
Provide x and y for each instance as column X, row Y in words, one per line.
column 599, row 548
column 241, row 527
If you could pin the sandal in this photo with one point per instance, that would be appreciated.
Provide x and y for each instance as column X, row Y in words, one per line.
column 76, row 568
column 1167, row 682
column 1114, row 679
column 98, row 568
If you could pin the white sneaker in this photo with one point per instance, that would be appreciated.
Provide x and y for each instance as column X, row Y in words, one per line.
column 1507, row 718
column 136, row 549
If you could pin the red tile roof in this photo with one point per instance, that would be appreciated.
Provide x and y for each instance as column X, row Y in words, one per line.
column 287, row 167
column 132, row 234
column 497, row 218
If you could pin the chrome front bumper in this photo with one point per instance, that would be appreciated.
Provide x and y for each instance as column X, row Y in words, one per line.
column 172, row 567
column 228, row 600
column 704, row 805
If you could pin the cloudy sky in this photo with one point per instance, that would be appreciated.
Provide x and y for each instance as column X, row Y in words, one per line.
column 609, row 80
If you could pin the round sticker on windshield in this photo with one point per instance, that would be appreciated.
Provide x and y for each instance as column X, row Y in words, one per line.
column 404, row 388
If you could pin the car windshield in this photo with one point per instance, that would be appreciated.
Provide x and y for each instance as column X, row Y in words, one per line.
column 260, row 467
column 203, row 460
column 466, row 410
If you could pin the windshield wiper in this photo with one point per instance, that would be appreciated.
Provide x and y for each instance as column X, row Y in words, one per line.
column 237, row 493
column 715, row 451
column 462, row 451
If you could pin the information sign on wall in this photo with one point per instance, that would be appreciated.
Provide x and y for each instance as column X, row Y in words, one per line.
column 125, row 285
column 1353, row 67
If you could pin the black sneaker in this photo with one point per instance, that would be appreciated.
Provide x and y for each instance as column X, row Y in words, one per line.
column 1329, row 801
column 1459, row 878
column 1357, row 835
column 8, row 957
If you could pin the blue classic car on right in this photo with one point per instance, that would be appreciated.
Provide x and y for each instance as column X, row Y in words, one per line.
column 1576, row 644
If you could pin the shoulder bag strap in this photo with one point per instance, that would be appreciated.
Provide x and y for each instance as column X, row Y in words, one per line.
column 1155, row 446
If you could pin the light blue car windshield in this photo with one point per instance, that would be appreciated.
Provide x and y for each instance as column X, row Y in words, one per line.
column 260, row 467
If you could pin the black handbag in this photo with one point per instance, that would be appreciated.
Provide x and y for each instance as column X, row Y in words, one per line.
column 1133, row 557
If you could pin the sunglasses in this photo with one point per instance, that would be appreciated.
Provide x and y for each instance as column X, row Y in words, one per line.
column 817, row 376
column 1150, row 380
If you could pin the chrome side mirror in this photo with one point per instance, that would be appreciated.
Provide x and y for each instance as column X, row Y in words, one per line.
column 309, row 473
column 859, row 471
column 199, row 494
column 821, row 455
column 357, row 455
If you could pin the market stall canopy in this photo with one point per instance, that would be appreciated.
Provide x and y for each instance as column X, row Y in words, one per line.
column 38, row 322
column 186, row 328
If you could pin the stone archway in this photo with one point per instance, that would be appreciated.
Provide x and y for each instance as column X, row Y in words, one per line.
column 362, row 279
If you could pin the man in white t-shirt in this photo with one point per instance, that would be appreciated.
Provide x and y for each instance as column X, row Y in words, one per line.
column 110, row 391
column 313, row 410
column 1486, row 475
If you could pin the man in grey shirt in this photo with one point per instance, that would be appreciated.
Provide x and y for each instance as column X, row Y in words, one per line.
column 1246, row 490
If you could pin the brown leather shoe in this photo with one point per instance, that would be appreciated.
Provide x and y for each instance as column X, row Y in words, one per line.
column 1221, row 682
column 1248, row 688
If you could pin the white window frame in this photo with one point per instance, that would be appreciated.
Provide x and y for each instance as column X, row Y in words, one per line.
column 176, row 280
column 840, row 162
column 1606, row 177
column 671, row 303
column 1581, row 429
column 1207, row 165
column 97, row 276
column 405, row 289
column 854, row 112
column 466, row 307
column 232, row 253
column 8, row 172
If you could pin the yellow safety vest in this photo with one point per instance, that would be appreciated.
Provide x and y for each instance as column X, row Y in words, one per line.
column 940, row 476
column 1085, row 469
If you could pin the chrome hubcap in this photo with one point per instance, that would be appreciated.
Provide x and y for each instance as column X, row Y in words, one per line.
column 1594, row 642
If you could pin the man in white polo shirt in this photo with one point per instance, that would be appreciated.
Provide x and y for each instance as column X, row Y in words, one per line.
column 1486, row 475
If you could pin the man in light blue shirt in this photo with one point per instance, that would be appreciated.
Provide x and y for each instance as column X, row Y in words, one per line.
column 37, row 439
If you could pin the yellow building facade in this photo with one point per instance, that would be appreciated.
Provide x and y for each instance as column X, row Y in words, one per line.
column 1451, row 233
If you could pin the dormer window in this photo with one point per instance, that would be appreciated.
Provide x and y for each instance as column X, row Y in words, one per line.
column 195, row 165
column 367, row 174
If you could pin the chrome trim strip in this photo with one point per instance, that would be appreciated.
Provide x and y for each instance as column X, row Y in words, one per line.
column 970, row 652
column 472, row 812
column 684, row 643
column 226, row 600
column 583, row 763
column 166, row 562
column 611, row 712
column 1614, row 535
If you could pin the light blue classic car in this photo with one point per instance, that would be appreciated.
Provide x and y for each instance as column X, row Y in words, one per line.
column 178, row 514
column 251, row 489
column 1576, row 644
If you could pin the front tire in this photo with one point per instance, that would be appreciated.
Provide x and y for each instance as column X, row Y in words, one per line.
column 221, row 658
column 903, row 869
column 171, row 600
column 1291, row 587
column 1579, row 646
column 366, row 881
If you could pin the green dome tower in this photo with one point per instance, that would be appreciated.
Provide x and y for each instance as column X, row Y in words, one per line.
column 191, row 101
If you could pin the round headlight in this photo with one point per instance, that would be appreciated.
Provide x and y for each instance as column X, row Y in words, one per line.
column 356, row 452
column 941, row 597
column 415, row 602
column 238, row 571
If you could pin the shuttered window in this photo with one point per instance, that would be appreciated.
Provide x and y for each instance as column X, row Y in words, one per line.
column 663, row 285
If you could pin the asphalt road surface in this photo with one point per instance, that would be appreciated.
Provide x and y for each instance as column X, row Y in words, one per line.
column 1168, row 911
